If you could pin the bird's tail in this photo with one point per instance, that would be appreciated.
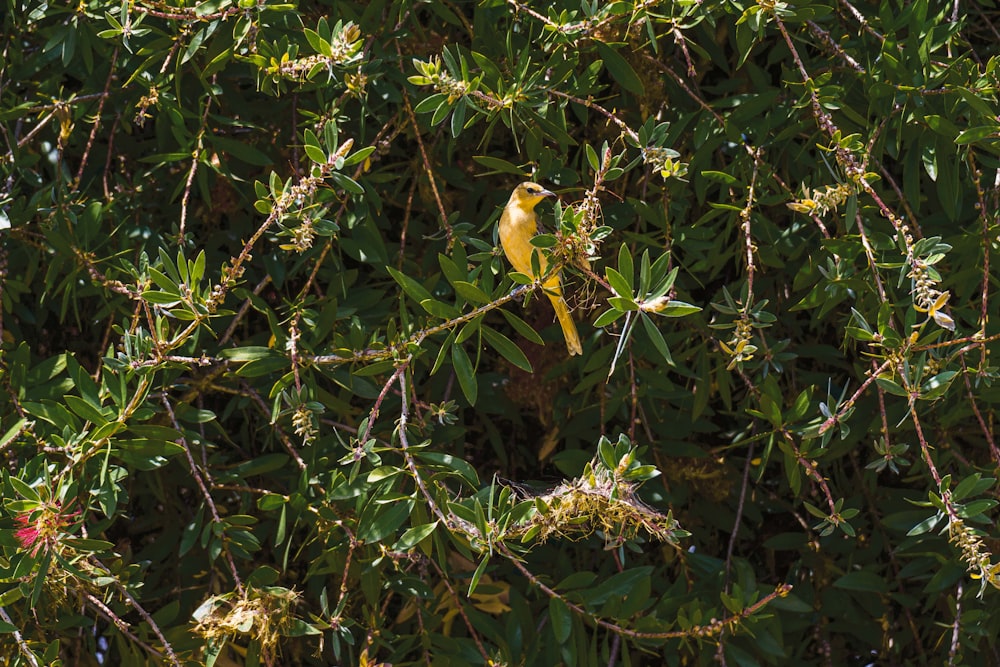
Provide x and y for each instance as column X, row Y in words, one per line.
column 566, row 322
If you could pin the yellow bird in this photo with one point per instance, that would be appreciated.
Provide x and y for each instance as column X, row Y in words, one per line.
column 518, row 224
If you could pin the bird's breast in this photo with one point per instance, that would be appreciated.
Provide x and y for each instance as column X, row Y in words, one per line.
column 516, row 230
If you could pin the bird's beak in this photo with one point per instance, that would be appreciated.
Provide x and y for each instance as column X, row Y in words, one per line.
column 547, row 193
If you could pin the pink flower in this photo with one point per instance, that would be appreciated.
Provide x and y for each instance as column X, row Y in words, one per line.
column 43, row 526
column 27, row 535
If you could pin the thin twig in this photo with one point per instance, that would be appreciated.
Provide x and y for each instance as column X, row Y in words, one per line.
column 146, row 616
column 712, row 629
column 200, row 478
column 956, row 624
column 195, row 161
column 19, row 640
column 119, row 623
column 97, row 117
column 744, row 485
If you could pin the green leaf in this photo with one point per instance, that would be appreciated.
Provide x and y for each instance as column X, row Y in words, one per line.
column 441, row 355
column 453, row 463
column 147, row 448
column 313, row 148
column 644, row 272
column 974, row 134
column 318, row 44
column 431, row 103
column 208, row 7
column 623, row 303
column 936, row 386
column 85, row 410
column 498, row 165
column 198, row 268
column 656, row 338
column 678, row 309
column 439, row 309
column 440, row 113
column 891, row 386
column 383, row 472
column 12, row 432
column 815, row 511
column 720, row 176
column 248, row 353
column 520, row 278
column 466, row 375
column 261, row 465
column 544, row 241
column 413, row 289
column 862, row 580
column 595, row 162
column 24, row 490
column 620, row 70
column 522, row 327
column 378, row 521
column 240, row 151
column 507, row 348
column 471, row 293
column 84, row 544
column 607, row 317
column 376, row 368
column 458, row 117
column 52, row 412
column 347, row 183
column 977, row 508
column 359, row 156
column 477, row 575
column 167, row 284
column 449, row 267
column 618, row 585
column 973, row 485
column 414, row 536
column 270, row 502
column 606, row 452
column 619, row 283
column 626, row 267
column 562, row 619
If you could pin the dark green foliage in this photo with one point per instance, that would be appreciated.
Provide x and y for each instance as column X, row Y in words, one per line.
column 270, row 394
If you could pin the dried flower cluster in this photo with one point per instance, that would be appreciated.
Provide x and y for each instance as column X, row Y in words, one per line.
column 822, row 200
column 599, row 501
column 665, row 162
column 974, row 553
column 739, row 347
column 264, row 615
column 926, row 297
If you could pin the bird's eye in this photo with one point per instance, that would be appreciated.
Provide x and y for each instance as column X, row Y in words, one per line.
column 532, row 191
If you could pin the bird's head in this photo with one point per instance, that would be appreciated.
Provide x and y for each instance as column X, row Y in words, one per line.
column 528, row 194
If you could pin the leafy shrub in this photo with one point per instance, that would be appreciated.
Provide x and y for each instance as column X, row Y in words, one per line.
column 272, row 394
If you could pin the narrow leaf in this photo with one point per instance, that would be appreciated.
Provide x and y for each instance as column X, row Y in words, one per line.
column 466, row 375
column 620, row 70
column 506, row 347
column 657, row 338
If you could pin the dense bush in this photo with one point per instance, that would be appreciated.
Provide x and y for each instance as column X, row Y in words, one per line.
column 272, row 395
